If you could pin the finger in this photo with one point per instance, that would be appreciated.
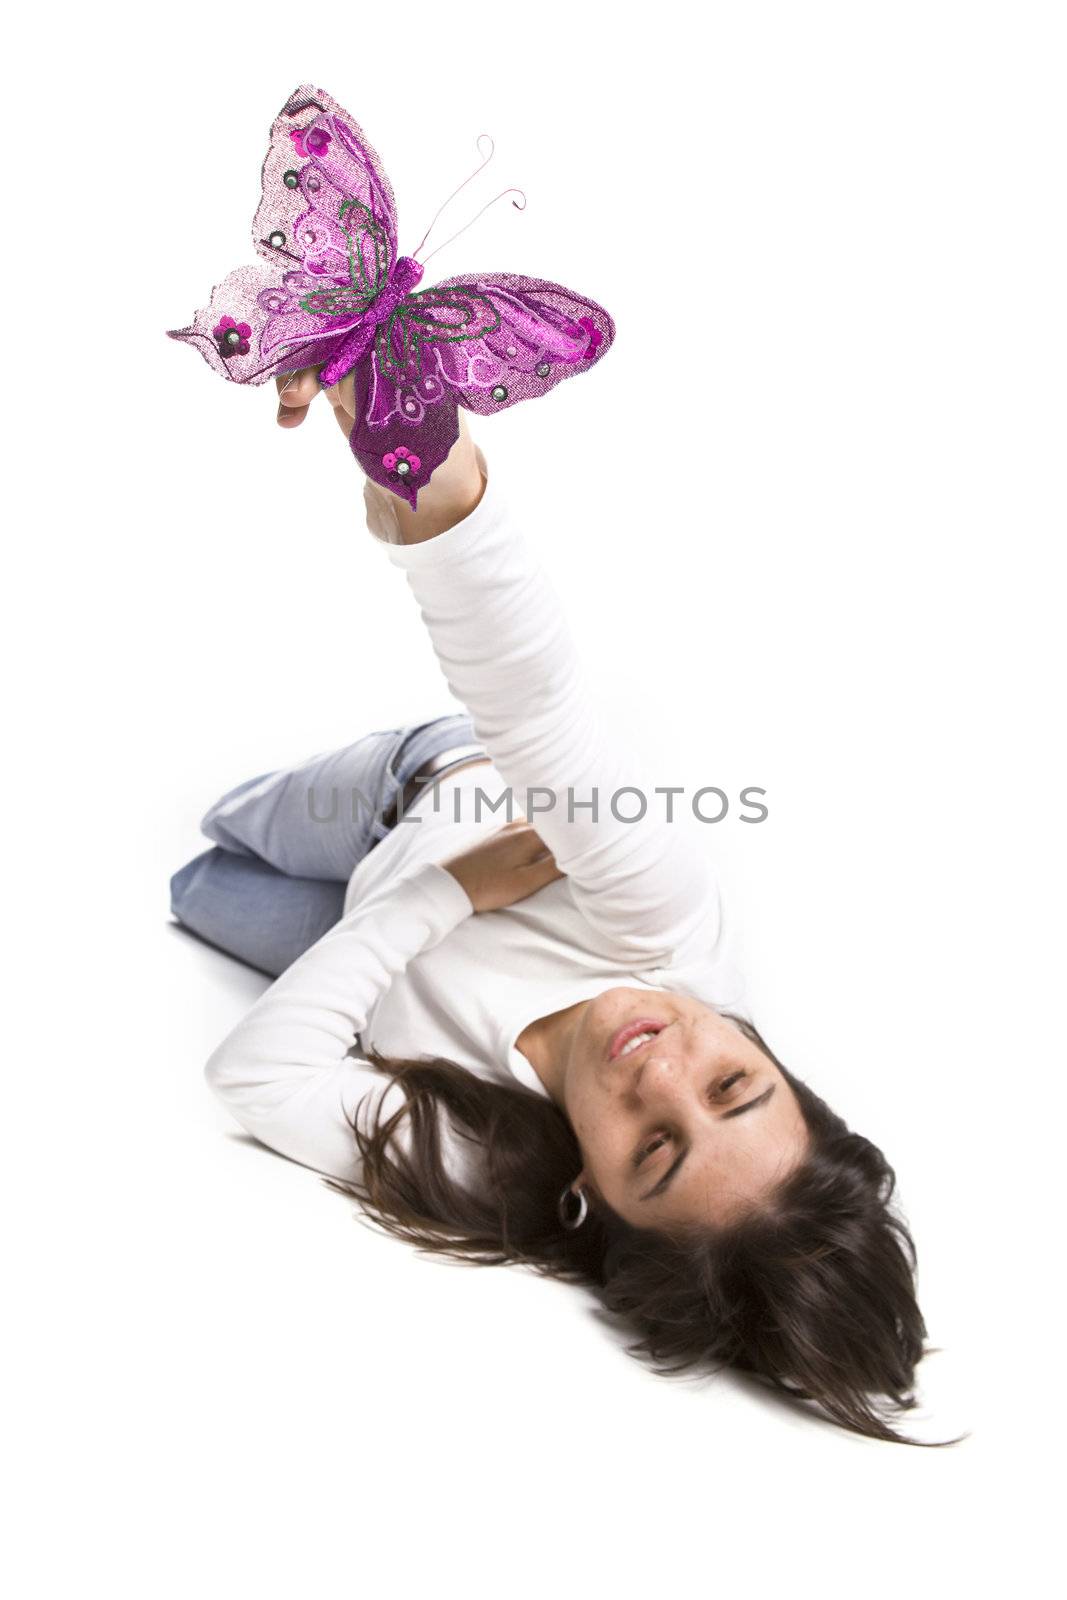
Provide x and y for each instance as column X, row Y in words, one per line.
column 524, row 843
column 539, row 858
column 294, row 399
column 542, row 871
column 535, row 850
column 342, row 396
column 533, row 841
column 296, row 391
column 299, row 387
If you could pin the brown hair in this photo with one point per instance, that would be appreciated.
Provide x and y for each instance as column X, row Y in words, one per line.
column 813, row 1294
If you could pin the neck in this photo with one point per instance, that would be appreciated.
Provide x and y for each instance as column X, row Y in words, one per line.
column 547, row 1045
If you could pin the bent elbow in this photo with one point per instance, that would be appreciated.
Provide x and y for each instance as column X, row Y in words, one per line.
column 221, row 1071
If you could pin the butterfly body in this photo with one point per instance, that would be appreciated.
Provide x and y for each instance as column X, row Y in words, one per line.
column 335, row 294
column 406, row 274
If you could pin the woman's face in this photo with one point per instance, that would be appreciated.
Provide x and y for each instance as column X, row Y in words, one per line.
column 694, row 1124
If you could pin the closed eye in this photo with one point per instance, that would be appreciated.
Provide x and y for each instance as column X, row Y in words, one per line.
column 728, row 1083
column 738, row 1111
column 649, row 1149
column 660, row 1139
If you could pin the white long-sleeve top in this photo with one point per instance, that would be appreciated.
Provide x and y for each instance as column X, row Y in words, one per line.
column 411, row 969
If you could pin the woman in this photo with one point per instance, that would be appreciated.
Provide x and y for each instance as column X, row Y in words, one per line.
column 520, row 1043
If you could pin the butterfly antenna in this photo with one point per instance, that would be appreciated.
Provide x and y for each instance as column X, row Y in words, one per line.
column 477, row 214
column 452, row 196
column 463, row 185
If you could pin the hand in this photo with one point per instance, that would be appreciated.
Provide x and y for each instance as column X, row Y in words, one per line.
column 509, row 865
column 451, row 494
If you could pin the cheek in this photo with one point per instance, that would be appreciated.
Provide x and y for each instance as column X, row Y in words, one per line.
column 586, row 1124
column 603, row 1138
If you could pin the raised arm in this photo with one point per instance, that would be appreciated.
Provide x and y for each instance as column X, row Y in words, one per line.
column 505, row 646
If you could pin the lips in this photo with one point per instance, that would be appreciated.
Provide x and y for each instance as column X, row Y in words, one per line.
column 630, row 1031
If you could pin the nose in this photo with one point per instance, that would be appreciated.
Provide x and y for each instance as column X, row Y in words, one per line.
column 660, row 1078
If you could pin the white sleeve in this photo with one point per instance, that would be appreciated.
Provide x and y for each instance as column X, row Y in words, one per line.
column 503, row 642
column 284, row 1072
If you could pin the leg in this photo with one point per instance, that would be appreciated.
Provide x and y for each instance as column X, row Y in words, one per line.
column 291, row 839
column 253, row 911
column 319, row 819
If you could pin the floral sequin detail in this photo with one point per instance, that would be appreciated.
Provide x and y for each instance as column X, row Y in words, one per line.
column 392, row 460
column 232, row 337
column 308, row 142
column 594, row 335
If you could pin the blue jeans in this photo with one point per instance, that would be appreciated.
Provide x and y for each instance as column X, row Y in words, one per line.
column 287, row 842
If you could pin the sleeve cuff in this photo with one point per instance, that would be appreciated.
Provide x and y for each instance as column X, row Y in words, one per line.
column 443, row 900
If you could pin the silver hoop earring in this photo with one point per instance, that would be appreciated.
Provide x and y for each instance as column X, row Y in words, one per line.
column 567, row 1216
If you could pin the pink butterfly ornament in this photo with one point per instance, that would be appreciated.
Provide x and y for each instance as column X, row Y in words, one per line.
column 336, row 294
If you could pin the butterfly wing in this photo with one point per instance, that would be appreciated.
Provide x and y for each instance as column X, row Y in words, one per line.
column 326, row 224
column 318, row 157
column 483, row 341
column 399, row 440
column 535, row 335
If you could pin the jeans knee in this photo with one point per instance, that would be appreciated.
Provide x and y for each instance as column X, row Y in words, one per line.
column 240, row 810
column 183, row 884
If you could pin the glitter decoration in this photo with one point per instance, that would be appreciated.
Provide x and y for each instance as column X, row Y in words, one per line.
column 313, row 142
column 401, row 462
column 593, row 334
column 232, row 337
column 348, row 304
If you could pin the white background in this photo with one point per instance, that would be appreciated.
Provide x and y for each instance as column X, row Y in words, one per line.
column 807, row 519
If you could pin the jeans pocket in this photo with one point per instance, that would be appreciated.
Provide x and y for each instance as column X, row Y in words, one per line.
column 418, row 743
column 397, row 765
